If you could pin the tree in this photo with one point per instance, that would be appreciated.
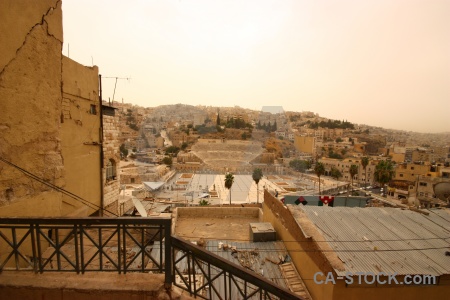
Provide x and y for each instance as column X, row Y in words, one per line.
column 167, row 161
column 319, row 169
column 384, row 172
column 335, row 173
column 332, row 154
column 269, row 127
column 353, row 171
column 172, row 150
column 300, row 165
column 229, row 179
column 203, row 202
column 257, row 175
column 218, row 119
column 123, row 151
column 364, row 163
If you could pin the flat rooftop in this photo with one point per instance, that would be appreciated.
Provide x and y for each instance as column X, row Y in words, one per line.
column 227, row 223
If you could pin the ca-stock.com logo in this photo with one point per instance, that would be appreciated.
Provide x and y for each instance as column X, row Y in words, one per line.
column 380, row 278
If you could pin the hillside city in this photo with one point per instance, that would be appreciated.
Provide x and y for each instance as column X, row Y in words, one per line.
column 170, row 136
column 110, row 200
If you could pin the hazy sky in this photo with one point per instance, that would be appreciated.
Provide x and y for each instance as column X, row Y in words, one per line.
column 378, row 62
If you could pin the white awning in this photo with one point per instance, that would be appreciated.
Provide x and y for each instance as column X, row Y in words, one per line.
column 153, row 185
column 204, row 195
column 140, row 208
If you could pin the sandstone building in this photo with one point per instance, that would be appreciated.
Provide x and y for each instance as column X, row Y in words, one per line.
column 51, row 151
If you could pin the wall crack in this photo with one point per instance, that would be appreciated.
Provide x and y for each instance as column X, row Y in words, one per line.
column 49, row 11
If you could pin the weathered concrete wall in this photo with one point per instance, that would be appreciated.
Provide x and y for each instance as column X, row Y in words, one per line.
column 30, row 93
column 304, row 253
column 18, row 18
column 236, row 212
column 47, row 124
column 80, row 136
column 88, row 286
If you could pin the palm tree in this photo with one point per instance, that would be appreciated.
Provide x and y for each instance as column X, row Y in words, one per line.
column 364, row 163
column 229, row 179
column 257, row 175
column 353, row 171
column 319, row 169
column 384, row 172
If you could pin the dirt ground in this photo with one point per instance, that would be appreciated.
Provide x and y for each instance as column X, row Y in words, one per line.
column 226, row 228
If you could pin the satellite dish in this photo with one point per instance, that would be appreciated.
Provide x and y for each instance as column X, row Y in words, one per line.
column 140, row 208
column 442, row 190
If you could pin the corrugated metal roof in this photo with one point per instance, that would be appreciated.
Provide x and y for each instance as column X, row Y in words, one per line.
column 264, row 263
column 385, row 240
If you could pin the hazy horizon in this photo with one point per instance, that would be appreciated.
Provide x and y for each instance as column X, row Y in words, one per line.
column 321, row 116
column 380, row 63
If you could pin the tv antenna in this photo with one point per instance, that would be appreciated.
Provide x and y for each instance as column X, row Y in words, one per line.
column 115, row 84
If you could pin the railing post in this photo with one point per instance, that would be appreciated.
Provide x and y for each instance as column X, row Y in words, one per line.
column 34, row 248
column 168, row 253
column 77, row 255
column 39, row 248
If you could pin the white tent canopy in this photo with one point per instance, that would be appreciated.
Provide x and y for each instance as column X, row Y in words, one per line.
column 204, row 195
column 153, row 185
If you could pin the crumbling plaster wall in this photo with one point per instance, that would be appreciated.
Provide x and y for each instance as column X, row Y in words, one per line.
column 80, row 137
column 30, row 97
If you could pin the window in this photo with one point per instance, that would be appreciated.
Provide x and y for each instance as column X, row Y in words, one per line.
column 111, row 170
column 423, row 184
column 93, row 110
column 401, row 175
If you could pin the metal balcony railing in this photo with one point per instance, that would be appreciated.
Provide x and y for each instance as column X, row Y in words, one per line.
column 85, row 244
column 206, row 275
column 127, row 245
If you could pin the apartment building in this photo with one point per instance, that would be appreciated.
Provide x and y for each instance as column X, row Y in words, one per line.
column 410, row 171
column 305, row 144
column 343, row 165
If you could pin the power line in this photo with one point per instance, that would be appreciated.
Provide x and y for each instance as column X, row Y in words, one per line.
column 57, row 188
column 339, row 251
column 335, row 241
